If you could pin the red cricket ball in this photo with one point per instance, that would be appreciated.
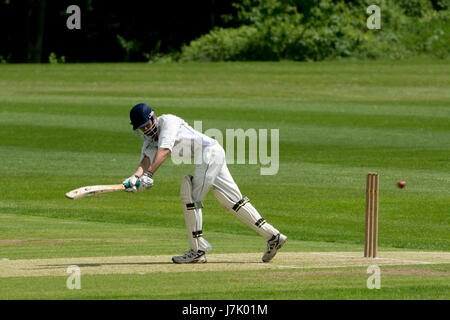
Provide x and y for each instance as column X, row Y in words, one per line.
column 401, row 184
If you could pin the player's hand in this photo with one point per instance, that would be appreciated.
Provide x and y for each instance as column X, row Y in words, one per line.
column 132, row 182
column 146, row 181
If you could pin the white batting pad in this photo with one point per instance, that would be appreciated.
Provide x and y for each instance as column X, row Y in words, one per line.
column 244, row 210
column 192, row 216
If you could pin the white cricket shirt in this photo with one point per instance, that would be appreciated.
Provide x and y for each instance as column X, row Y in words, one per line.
column 177, row 136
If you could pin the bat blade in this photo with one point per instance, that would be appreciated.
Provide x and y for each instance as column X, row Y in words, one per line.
column 93, row 190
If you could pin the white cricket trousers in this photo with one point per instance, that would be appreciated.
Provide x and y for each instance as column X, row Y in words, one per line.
column 213, row 172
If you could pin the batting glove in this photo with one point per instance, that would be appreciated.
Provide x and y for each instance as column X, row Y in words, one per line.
column 131, row 181
column 146, row 181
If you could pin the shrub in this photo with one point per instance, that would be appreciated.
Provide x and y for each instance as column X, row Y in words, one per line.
column 430, row 35
column 326, row 29
column 220, row 45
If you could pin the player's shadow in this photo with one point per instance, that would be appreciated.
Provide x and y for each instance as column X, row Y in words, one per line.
column 81, row 265
column 51, row 266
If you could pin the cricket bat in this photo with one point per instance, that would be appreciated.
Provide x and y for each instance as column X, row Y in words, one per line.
column 93, row 190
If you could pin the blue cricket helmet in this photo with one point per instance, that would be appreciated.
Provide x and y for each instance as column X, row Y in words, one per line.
column 140, row 115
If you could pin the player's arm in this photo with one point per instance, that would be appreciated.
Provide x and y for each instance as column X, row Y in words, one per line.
column 132, row 180
column 160, row 157
column 145, row 170
column 143, row 166
column 146, row 165
column 141, row 176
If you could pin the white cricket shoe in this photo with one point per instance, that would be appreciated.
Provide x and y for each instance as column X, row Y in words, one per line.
column 273, row 244
column 190, row 257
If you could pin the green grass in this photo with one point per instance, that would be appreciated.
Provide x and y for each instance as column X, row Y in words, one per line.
column 279, row 285
column 43, row 237
column 64, row 126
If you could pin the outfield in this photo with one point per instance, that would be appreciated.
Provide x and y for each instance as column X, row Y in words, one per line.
column 64, row 126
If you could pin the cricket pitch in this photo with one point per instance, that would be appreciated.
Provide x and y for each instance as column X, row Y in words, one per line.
column 216, row 262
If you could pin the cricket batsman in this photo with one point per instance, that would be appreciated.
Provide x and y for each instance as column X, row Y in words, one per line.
column 168, row 134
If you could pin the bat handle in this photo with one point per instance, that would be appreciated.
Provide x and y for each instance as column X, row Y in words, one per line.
column 127, row 185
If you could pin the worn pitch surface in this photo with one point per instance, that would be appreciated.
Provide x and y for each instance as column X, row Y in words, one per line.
column 216, row 262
